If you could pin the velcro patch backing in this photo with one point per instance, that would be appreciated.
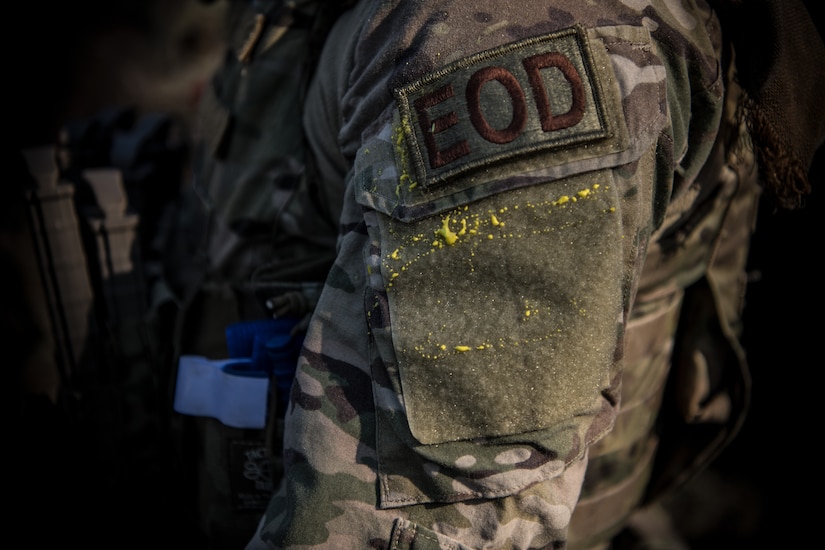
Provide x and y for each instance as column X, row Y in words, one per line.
column 506, row 311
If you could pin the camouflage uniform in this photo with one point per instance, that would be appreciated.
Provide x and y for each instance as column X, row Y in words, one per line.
column 536, row 198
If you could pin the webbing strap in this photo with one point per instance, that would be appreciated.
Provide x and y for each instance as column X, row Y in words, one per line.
column 598, row 519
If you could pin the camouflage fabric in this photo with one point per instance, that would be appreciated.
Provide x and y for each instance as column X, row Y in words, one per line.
column 505, row 168
column 685, row 383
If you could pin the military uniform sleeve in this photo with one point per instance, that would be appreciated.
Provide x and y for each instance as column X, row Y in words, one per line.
column 505, row 168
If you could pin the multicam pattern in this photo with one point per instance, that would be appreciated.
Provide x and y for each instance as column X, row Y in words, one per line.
column 358, row 473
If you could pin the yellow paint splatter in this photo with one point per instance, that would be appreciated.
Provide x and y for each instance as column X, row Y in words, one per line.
column 462, row 348
column 399, row 133
column 446, row 233
column 562, row 200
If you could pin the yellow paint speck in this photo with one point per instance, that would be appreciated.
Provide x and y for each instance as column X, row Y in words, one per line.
column 462, row 348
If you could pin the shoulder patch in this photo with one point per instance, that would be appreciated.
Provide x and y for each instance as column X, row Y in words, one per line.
column 525, row 97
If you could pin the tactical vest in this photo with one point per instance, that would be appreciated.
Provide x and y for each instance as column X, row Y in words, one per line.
column 263, row 232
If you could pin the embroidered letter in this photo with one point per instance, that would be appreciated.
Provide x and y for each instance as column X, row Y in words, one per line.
column 533, row 66
column 510, row 83
column 439, row 157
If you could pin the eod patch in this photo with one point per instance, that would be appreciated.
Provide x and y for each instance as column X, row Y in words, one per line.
column 528, row 96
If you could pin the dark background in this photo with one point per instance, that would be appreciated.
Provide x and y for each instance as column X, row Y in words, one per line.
column 71, row 59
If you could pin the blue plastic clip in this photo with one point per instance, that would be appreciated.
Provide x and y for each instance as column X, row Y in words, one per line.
column 235, row 390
